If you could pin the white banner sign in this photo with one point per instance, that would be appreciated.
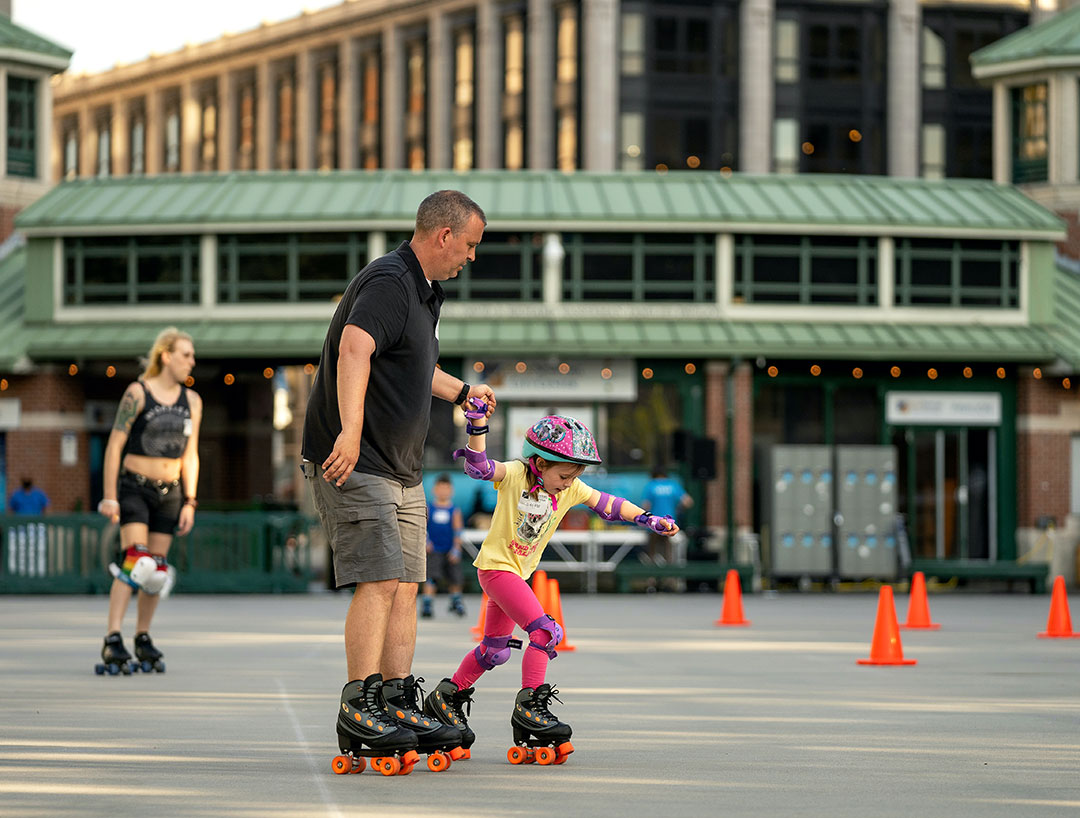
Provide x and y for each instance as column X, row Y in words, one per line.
column 10, row 413
column 568, row 379
column 943, row 408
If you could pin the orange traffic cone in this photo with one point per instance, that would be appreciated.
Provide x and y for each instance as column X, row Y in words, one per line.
column 540, row 588
column 555, row 598
column 1059, row 625
column 886, row 648
column 918, row 612
column 478, row 628
column 732, row 613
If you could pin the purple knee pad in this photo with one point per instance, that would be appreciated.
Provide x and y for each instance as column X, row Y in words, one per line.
column 545, row 623
column 477, row 465
column 494, row 650
column 613, row 516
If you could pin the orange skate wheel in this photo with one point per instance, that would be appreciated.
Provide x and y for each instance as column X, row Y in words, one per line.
column 517, row 755
column 437, row 762
column 406, row 769
column 358, row 765
column 388, row 766
column 341, row 765
column 545, row 755
column 560, row 759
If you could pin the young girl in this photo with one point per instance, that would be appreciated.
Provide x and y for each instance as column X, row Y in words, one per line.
column 533, row 497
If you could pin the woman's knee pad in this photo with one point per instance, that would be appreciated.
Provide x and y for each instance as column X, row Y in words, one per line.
column 547, row 624
column 494, row 650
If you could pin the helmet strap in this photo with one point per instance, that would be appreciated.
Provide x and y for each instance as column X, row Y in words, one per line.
column 540, row 482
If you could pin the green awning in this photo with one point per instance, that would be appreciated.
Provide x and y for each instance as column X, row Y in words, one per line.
column 23, row 45
column 544, row 200
column 1053, row 43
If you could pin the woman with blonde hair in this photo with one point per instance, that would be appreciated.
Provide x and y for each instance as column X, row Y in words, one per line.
column 150, row 476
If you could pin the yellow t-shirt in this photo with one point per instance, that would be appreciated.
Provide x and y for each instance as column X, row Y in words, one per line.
column 524, row 523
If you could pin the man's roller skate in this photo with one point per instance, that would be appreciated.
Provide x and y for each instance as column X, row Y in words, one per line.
column 441, row 742
column 364, row 731
column 149, row 657
column 450, row 706
column 538, row 735
column 114, row 657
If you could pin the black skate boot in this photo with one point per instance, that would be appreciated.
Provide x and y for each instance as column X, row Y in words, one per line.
column 538, row 735
column 364, row 731
column 149, row 657
column 114, row 657
column 457, row 606
column 450, row 706
column 440, row 741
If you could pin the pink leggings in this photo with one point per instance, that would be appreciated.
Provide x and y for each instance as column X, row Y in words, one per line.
column 510, row 601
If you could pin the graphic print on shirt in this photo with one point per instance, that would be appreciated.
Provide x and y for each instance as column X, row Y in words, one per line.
column 167, row 430
column 533, row 517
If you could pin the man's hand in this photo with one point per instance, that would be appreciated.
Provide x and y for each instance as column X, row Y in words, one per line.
column 484, row 393
column 339, row 465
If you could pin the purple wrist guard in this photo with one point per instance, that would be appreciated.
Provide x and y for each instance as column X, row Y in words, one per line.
column 613, row 516
column 475, row 409
column 661, row 525
column 477, row 465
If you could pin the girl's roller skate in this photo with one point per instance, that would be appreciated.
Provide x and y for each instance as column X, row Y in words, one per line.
column 114, row 657
column 441, row 742
column 450, row 706
column 364, row 731
column 149, row 657
column 538, row 735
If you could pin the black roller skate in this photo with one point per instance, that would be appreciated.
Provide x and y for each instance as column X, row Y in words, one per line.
column 441, row 742
column 114, row 657
column 364, row 731
column 457, row 606
column 149, row 657
column 450, row 706
column 538, row 735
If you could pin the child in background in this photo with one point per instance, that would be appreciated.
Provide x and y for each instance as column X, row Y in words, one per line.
column 443, row 548
column 533, row 498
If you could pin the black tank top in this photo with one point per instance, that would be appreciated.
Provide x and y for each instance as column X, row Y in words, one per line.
column 160, row 430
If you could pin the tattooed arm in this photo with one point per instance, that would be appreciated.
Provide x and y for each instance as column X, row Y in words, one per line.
column 130, row 406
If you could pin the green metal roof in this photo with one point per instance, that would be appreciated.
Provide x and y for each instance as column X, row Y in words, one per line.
column 15, row 38
column 1052, row 42
column 1066, row 330
column 543, row 200
column 12, row 278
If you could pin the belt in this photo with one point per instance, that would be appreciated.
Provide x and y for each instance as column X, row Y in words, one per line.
column 143, row 480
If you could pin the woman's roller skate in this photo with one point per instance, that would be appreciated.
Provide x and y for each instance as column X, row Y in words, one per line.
column 364, row 731
column 114, row 657
column 538, row 735
column 149, row 657
column 441, row 742
column 450, row 706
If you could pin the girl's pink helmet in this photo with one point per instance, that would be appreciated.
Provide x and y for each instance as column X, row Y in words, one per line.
column 561, row 438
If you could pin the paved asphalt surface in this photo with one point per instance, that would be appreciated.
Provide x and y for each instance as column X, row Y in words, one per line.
column 672, row 716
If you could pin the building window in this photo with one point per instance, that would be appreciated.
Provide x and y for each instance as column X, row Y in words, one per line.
column 1030, row 136
column 632, row 129
column 21, row 127
column 208, row 126
column 172, row 134
column 291, row 267
column 1074, row 470
column 933, row 151
column 128, row 270
column 416, row 106
column 71, row 148
column 286, row 121
column 464, row 96
column 785, row 146
column 104, row 144
column 933, row 59
column 957, row 273
column 327, row 144
column 567, row 92
column 680, row 140
column 369, row 111
column 632, row 44
column 805, row 270
column 636, row 267
column 137, row 141
column 787, row 51
column 513, row 102
column 508, row 269
column 247, row 132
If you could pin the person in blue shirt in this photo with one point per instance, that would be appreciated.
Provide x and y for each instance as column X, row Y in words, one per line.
column 443, row 548
column 29, row 499
column 664, row 497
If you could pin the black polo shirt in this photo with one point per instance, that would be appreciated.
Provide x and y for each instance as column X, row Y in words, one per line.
column 394, row 303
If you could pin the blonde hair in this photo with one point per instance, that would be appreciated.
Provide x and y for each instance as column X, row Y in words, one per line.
column 164, row 342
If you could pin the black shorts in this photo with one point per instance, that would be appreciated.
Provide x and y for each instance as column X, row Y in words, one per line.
column 439, row 567
column 154, row 503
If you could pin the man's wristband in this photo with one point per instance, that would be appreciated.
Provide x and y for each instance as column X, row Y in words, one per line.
column 463, row 394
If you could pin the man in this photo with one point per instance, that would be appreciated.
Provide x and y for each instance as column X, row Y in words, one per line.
column 29, row 499
column 664, row 497
column 364, row 432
